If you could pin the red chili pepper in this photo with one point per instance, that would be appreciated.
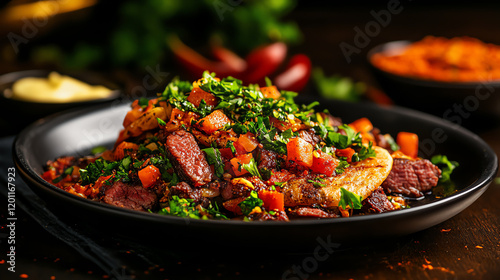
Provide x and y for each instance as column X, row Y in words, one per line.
column 296, row 75
column 194, row 62
column 263, row 61
column 233, row 61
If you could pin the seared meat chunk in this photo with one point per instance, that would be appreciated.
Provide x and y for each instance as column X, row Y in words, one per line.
column 377, row 202
column 411, row 177
column 129, row 196
column 265, row 216
column 187, row 158
column 267, row 159
column 309, row 135
column 183, row 190
column 309, row 212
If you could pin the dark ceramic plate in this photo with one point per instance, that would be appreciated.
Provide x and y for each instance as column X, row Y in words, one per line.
column 459, row 102
column 76, row 132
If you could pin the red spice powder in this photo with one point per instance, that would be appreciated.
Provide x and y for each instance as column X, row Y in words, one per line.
column 460, row 59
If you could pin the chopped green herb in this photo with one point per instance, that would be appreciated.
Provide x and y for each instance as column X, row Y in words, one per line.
column 143, row 102
column 98, row 150
column 317, row 182
column 161, row 122
column 251, row 167
column 350, row 199
column 214, row 157
column 446, row 166
column 250, row 203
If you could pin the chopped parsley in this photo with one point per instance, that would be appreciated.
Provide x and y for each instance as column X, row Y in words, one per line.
column 446, row 166
column 183, row 207
column 251, row 167
column 350, row 199
column 317, row 182
column 250, row 203
column 214, row 157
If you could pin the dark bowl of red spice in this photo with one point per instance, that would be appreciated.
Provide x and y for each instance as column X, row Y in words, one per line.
column 467, row 103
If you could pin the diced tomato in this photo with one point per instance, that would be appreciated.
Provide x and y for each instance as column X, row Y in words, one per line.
column 324, row 163
column 124, row 148
column 213, row 122
column 300, row 151
column 273, row 200
column 226, row 153
column 408, row 143
column 270, row 92
column 248, row 142
column 347, row 153
column 237, row 163
column 49, row 175
column 197, row 94
column 362, row 125
column 149, row 175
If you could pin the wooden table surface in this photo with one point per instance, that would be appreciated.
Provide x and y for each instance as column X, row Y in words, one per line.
column 466, row 246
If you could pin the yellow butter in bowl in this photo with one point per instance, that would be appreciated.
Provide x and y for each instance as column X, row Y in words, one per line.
column 56, row 88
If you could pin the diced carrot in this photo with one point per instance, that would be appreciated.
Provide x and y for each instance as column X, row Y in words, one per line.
column 347, row 153
column 300, row 151
column 124, row 148
column 273, row 200
column 362, row 125
column 270, row 92
column 197, row 94
column 240, row 150
column 324, row 163
column 213, row 122
column 408, row 143
column 237, row 163
column 248, row 142
column 149, row 175
column 232, row 205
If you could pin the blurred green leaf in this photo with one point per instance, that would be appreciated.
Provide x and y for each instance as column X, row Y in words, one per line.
column 337, row 87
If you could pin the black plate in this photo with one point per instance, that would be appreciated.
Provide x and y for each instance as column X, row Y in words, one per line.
column 469, row 103
column 77, row 132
